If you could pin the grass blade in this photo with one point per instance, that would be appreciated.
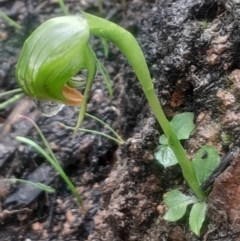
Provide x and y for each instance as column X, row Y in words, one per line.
column 56, row 165
column 35, row 184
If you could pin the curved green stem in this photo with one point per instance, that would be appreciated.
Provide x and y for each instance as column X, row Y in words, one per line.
column 125, row 41
column 92, row 68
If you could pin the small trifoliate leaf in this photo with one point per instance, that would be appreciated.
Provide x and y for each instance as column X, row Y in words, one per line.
column 205, row 161
column 165, row 156
column 197, row 217
column 177, row 204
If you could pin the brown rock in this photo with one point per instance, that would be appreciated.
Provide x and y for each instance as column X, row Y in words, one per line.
column 226, row 97
column 225, row 195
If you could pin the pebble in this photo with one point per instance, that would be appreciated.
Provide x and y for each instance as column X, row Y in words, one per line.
column 3, row 35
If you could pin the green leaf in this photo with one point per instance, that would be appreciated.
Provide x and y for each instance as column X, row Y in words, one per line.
column 205, row 161
column 182, row 125
column 35, row 184
column 106, row 76
column 177, row 204
column 105, row 47
column 197, row 217
column 163, row 140
column 165, row 156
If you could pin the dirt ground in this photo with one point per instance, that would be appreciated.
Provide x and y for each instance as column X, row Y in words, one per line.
column 192, row 50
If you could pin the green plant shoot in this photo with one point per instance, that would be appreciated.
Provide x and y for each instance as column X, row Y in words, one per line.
column 204, row 163
column 117, row 138
column 59, row 48
column 183, row 126
column 9, row 20
column 51, row 158
column 16, row 97
column 39, row 185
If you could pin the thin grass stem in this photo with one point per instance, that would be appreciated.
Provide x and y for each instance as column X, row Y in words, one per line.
column 106, row 126
column 63, row 7
column 56, row 166
column 11, row 100
column 106, row 77
column 43, row 138
column 9, row 20
column 92, row 132
column 34, row 184
column 10, row 92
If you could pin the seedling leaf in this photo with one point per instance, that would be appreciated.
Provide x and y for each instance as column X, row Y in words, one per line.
column 182, row 125
column 205, row 161
column 165, row 156
column 163, row 140
column 197, row 217
column 177, row 204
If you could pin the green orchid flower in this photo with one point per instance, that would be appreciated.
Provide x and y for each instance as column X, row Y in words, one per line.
column 51, row 57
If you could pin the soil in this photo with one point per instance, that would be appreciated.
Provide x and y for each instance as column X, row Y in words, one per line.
column 192, row 50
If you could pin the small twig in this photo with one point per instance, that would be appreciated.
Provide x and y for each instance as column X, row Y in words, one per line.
column 23, row 106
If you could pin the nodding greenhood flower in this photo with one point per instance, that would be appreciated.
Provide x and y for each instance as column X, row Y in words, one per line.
column 51, row 56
